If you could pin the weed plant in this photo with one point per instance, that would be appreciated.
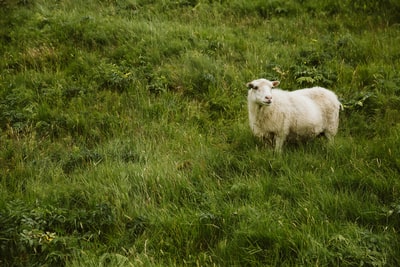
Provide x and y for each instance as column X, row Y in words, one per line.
column 124, row 138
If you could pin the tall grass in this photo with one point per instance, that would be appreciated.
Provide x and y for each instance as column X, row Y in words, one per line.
column 124, row 138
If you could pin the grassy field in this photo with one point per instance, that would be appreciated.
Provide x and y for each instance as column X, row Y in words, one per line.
column 124, row 138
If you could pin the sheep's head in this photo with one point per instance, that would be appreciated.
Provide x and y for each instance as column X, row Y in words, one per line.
column 260, row 91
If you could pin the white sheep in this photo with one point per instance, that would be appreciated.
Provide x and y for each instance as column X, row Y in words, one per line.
column 276, row 115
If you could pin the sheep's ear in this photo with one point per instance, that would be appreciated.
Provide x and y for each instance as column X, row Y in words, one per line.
column 275, row 83
column 249, row 85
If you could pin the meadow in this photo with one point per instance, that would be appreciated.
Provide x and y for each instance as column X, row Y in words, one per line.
column 124, row 137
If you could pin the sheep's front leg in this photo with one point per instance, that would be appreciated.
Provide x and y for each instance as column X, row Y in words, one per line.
column 279, row 140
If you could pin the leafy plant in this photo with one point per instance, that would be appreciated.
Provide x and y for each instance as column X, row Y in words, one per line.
column 313, row 76
column 47, row 234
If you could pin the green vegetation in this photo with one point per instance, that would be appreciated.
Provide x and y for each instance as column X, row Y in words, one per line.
column 124, row 138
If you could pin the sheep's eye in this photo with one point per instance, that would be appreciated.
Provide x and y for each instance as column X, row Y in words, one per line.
column 255, row 87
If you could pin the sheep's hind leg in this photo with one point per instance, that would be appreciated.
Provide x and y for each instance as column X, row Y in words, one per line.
column 330, row 137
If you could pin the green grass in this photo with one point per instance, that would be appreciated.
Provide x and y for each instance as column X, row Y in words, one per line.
column 124, row 138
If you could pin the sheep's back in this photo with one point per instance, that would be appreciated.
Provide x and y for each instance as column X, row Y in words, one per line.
column 324, row 98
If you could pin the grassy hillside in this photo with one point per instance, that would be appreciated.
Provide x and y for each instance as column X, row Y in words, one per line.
column 124, row 138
